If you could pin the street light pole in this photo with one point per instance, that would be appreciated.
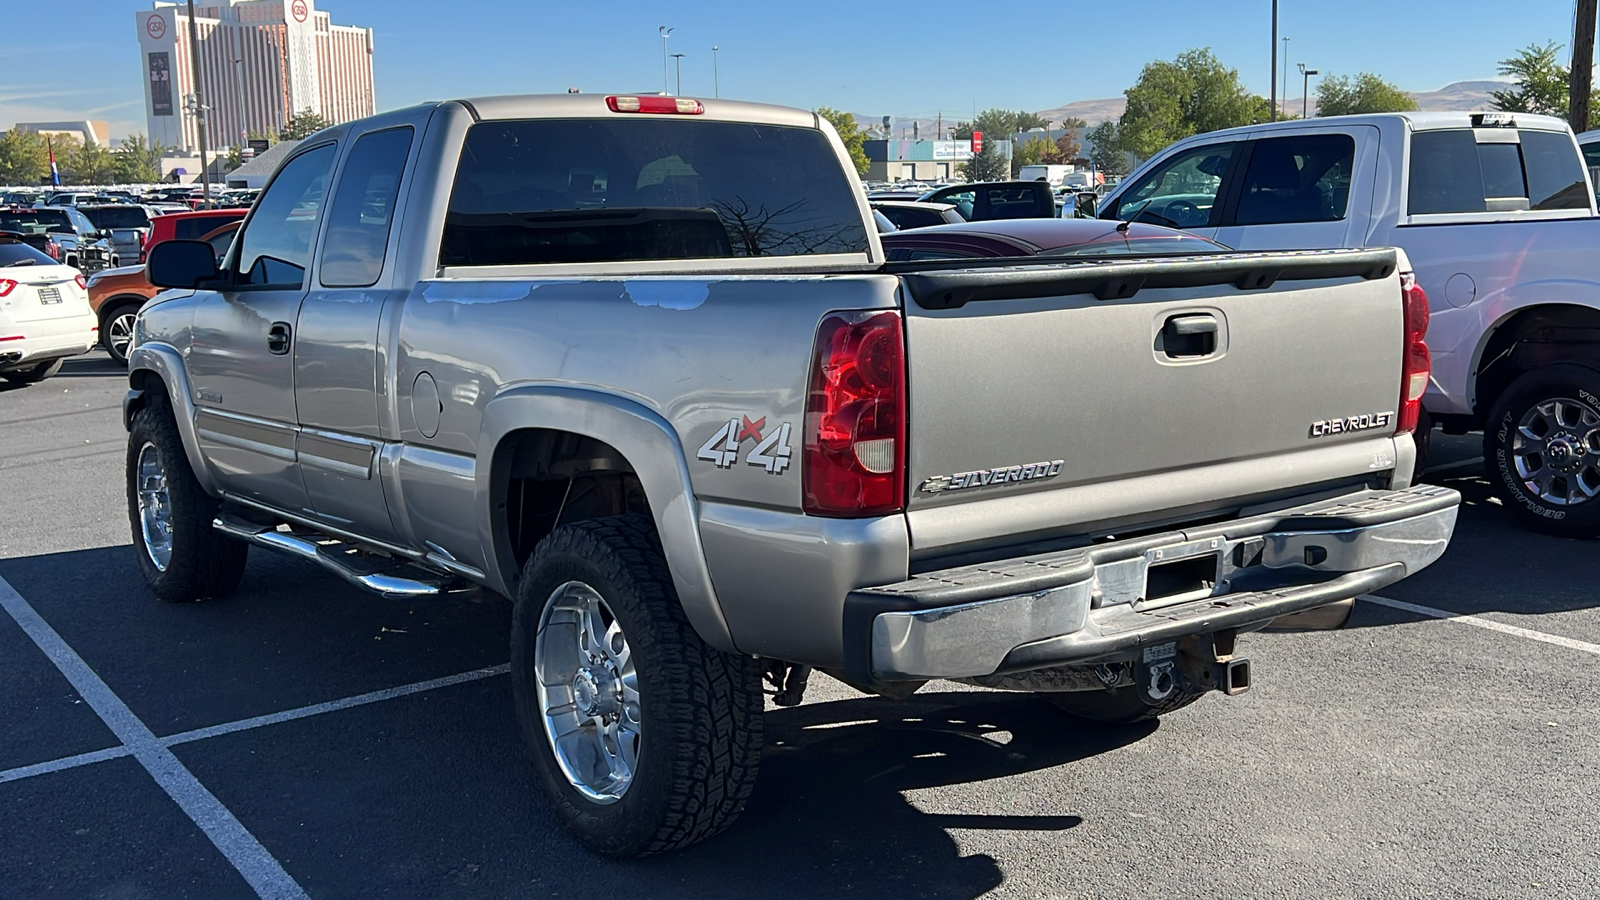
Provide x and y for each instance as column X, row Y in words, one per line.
column 1286, row 75
column 679, row 58
column 716, row 80
column 1273, row 70
column 1305, row 89
column 664, row 32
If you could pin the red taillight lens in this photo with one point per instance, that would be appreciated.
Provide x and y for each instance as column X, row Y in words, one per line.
column 53, row 249
column 1415, row 366
column 7, row 286
column 671, row 106
column 82, row 282
column 855, row 432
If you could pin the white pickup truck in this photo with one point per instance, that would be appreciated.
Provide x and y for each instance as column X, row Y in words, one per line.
column 1496, row 213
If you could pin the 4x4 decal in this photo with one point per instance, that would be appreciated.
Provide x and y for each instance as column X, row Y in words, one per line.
column 771, row 452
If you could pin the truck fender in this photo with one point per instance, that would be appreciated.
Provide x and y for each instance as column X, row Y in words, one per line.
column 166, row 363
column 1498, row 310
column 651, row 446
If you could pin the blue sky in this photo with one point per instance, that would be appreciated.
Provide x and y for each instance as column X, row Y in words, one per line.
column 912, row 59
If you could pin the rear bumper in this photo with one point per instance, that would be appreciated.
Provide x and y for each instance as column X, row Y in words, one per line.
column 47, row 340
column 1088, row 605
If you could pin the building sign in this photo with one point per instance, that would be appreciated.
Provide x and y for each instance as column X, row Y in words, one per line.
column 259, row 145
column 977, row 142
column 156, row 27
column 160, row 84
column 298, row 10
column 952, row 149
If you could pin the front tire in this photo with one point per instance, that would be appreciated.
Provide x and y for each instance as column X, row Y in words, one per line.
column 116, row 330
column 1541, row 450
column 180, row 555
column 646, row 739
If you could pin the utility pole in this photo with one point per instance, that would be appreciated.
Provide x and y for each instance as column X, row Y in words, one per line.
column 716, row 80
column 1273, row 70
column 1582, row 77
column 664, row 32
column 679, row 58
column 199, row 106
column 938, row 129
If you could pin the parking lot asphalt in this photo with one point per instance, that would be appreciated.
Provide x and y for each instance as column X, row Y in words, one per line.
column 302, row 738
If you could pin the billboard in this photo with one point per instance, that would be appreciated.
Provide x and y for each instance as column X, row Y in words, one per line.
column 160, row 84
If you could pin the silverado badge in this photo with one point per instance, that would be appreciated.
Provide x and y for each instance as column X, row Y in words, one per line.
column 1002, row 475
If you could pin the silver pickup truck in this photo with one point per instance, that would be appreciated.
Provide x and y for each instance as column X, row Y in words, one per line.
column 639, row 364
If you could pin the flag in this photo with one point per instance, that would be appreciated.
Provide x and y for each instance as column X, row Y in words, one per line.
column 55, row 174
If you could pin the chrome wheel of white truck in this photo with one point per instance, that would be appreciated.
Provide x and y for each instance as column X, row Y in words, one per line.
column 645, row 738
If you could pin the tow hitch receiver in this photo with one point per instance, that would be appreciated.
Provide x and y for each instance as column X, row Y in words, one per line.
column 1199, row 663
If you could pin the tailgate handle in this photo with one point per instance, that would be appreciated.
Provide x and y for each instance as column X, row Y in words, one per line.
column 1188, row 336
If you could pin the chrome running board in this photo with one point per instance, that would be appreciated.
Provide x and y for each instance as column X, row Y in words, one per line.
column 388, row 577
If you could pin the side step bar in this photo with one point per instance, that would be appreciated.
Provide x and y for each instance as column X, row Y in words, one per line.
column 390, row 578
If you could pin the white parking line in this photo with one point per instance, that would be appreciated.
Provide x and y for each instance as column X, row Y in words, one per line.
column 1464, row 619
column 260, row 870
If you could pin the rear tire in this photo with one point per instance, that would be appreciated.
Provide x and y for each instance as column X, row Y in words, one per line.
column 687, row 715
column 180, row 555
column 1541, row 450
column 36, row 374
column 1123, row 706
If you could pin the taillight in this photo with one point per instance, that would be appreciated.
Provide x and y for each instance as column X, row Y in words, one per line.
column 672, row 106
column 7, row 286
column 53, row 249
column 855, row 431
column 83, row 283
column 1414, row 367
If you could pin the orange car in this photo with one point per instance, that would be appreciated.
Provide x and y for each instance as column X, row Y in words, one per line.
column 116, row 295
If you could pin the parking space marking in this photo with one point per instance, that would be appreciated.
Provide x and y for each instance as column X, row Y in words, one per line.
column 258, row 867
column 66, row 762
column 200, row 734
column 1490, row 624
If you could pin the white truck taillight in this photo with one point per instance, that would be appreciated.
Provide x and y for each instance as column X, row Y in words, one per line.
column 1415, row 364
column 855, row 429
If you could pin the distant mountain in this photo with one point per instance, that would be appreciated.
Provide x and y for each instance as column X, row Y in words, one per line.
column 1462, row 95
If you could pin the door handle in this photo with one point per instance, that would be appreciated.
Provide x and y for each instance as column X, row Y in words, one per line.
column 278, row 338
column 1189, row 336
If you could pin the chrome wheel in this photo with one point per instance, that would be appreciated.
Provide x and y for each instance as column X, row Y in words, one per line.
column 155, row 507
column 588, row 692
column 1556, row 449
column 119, row 332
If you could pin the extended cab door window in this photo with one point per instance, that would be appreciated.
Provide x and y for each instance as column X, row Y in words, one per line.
column 363, row 209
column 1301, row 178
column 275, row 247
column 1181, row 192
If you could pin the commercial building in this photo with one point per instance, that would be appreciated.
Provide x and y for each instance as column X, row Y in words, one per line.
column 920, row 160
column 261, row 62
column 84, row 131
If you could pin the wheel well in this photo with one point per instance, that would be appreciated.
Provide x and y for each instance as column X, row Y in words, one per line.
column 544, row 478
column 152, row 388
column 115, row 303
column 1532, row 338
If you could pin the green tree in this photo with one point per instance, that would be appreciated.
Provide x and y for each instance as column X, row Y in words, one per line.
column 1340, row 95
column 65, row 147
column 22, row 157
column 1105, row 149
column 1033, row 152
column 91, row 163
column 137, row 161
column 1541, row 85
column 985, row 165
column 301, row 125
column 1192, row 94
column 850, row 133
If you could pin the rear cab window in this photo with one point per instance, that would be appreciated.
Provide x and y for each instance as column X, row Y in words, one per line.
column 564, row 191
column 14, row 252
column 1467, row 170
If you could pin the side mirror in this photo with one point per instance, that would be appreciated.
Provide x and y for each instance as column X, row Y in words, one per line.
column 181, row 264
column 1087, row 201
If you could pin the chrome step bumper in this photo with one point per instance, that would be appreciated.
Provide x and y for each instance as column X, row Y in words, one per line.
column 388, row 577
column 1090, row 604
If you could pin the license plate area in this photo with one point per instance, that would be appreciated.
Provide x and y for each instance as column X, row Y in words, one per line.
column 49, row 296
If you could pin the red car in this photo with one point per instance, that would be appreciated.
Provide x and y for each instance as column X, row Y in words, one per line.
column 187, row 226
column 1042, row 237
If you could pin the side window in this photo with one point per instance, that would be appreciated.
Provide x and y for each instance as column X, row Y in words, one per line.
column 1591, row 159
column 1302, row 178
column 275, row 248
column 1180, row 193
column 1453, row 172
column 1555, row 175
column 362, row 212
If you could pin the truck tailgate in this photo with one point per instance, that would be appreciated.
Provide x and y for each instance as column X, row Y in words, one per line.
column 1045, row 399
